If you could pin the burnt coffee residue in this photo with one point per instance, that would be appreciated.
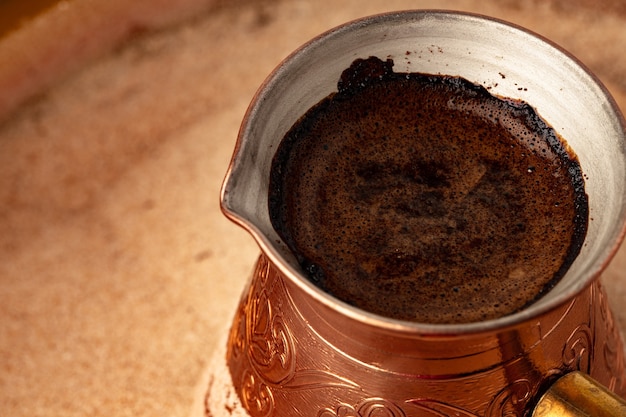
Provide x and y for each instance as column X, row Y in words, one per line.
column 423, row 197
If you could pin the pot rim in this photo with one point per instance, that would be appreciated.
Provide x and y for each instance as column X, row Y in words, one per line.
column 363, row 316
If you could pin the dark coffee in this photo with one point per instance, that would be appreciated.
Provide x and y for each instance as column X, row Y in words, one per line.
column 425, row 198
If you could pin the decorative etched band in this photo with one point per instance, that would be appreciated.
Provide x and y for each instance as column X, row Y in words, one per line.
column 281, row 366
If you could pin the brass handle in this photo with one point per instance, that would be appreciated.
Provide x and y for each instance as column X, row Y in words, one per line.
column 577, row 395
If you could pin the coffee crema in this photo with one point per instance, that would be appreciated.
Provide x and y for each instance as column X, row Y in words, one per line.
column 425, row 198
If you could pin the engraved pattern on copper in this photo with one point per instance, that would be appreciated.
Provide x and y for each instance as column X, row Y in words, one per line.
column 577, row 352
column 440, row 409
column 261, row 337
column 509, row 402
column 371, row 407
column 275, row 359
column 260, row 333
column 269, row 341
column 256, row 396
column 512, row 400
column 578, row 349
column 612, row 348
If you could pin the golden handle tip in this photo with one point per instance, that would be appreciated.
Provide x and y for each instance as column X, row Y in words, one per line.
column 578, row 395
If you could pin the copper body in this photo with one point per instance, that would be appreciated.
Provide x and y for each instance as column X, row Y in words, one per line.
column 288, row 353
column 294, row 350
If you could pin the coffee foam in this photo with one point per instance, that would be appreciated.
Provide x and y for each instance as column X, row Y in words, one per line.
column 425, row 198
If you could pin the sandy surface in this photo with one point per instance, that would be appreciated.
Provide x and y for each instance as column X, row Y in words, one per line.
column 118, row 272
